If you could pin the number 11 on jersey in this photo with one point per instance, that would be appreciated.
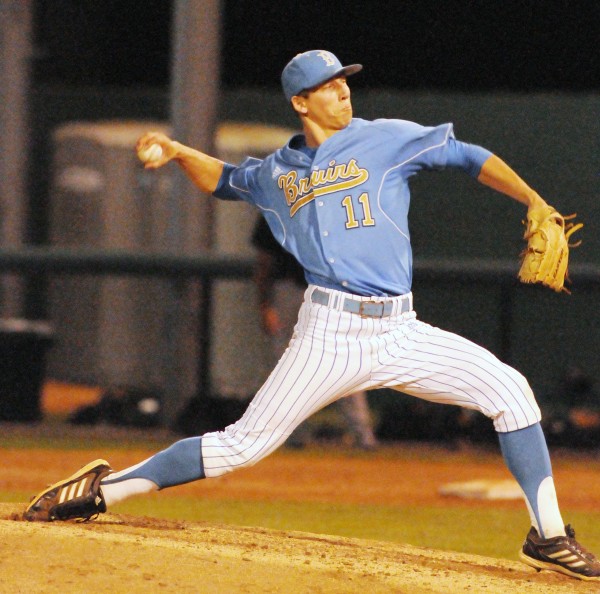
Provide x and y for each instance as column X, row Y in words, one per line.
column 351, row 221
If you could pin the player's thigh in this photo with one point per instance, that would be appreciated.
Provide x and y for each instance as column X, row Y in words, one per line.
column 308, row 376
column 289, row 396
column 441, row 366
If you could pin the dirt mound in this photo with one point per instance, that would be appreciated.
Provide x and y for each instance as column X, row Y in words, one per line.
column 120, row 553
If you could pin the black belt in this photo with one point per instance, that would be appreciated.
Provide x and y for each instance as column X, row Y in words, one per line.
column 367, row 309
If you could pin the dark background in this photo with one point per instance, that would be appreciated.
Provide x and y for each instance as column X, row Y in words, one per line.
column 528, row 45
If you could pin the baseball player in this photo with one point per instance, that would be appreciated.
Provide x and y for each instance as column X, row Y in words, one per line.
column 280, row 284
column 337, row 198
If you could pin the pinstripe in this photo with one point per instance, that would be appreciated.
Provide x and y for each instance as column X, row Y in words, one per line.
column 451, row 394
column 290, row 397
column 284, row 387
column 262, row 409
column 333, row 353
column 470, row 375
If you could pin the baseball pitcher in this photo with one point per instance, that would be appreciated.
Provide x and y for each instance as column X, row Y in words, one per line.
column 337, row 197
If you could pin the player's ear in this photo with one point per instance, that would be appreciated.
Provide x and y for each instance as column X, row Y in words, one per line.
column 299, row 104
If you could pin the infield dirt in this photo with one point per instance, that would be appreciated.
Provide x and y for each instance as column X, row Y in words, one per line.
column 130, row 554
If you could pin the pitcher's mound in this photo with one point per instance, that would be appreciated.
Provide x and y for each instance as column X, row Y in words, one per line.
column 131, row 554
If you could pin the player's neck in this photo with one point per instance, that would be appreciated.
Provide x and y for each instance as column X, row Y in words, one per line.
column 316, row 135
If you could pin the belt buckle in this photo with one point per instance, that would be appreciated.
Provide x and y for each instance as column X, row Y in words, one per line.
column 361, row 309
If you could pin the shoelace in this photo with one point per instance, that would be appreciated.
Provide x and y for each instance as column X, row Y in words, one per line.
column 570, row 531
column 578, row 548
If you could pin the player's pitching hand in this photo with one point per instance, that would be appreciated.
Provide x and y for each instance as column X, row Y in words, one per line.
column 154, row 149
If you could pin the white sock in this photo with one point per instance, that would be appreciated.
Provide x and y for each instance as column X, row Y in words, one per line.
column 116, row 492
column 550, row 518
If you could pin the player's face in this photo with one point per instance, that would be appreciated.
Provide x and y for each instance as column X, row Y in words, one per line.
column 329, row 105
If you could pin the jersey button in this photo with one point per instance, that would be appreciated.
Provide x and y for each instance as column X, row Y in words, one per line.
column 325, row 233
column 331, row 260
column 321, row 203
column 344, row 283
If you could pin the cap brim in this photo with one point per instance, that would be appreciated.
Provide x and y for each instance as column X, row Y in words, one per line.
column 352, row 69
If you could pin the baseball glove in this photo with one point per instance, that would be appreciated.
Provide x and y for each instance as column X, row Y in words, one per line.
column 545, row 260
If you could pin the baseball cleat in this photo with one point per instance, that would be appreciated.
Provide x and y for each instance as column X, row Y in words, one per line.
column 77, row 498
column 561, row 553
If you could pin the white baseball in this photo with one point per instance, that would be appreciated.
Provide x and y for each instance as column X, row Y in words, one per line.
column 152, row 153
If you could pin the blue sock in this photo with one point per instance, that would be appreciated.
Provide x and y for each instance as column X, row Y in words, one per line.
column 526, row 455
column 178, row 464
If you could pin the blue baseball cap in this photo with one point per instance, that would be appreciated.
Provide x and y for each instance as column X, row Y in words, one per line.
column 310, row 69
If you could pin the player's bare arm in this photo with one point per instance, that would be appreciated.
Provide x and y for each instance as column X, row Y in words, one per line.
column 496, row 174
column 202, row 169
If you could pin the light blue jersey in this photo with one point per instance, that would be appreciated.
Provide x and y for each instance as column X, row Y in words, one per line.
column 344, row 213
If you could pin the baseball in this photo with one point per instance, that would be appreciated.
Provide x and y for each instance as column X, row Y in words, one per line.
column 151, row 153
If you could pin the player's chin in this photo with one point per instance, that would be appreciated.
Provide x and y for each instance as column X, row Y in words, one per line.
column 345, row 117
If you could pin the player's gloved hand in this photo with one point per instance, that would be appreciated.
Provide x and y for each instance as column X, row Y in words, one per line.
column 545, row 260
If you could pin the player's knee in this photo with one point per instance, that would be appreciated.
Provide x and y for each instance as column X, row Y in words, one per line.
column 248, row 446
column 520, row 410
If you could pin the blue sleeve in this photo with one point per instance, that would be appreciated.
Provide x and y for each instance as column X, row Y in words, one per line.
column 468, row 157
column 238, row 182
column 223, row 189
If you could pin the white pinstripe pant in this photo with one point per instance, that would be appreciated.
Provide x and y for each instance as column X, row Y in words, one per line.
column 335, row 353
